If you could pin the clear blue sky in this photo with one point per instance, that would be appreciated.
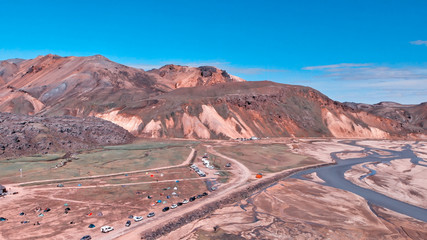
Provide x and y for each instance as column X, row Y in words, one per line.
column 363, row 51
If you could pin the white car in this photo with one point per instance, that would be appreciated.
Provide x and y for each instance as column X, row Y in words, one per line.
column 137, row 218
column 185, row 201
column 106, row 229
column 174, row 206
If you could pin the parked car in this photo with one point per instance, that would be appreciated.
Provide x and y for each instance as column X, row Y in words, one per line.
column 199, row 196
column 204, row 194
column 151, row 214
column 192, row 199
column 174, row 206
column 128, row 223
column 106, row 229
column 165, row 209
column 47, row 210
column 87, row 237
column 185, row 201
column 179, row 203
column 137, row 218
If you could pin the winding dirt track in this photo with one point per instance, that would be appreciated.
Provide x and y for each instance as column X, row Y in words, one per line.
column 241, row 174
column 238, row 183
column 28, row 191
column 186, row 162
column 237, row 186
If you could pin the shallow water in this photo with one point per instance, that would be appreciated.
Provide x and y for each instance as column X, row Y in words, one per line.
column 333, row 176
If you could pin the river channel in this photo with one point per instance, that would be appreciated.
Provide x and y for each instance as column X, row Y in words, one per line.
column 333, row 176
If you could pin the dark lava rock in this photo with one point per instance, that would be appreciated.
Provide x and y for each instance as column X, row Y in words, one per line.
column 56, row 134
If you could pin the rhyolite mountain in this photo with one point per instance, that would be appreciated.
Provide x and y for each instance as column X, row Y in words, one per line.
column 189, row 102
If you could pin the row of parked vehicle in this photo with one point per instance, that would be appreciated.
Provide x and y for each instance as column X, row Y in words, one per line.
column 198, row 171
column 106, row 229
column 191, row 199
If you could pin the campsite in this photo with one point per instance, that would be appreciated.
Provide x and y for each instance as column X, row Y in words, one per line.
column 152, row 182
column 102, row 187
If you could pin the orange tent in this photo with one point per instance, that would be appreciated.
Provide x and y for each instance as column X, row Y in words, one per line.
column 259, row 175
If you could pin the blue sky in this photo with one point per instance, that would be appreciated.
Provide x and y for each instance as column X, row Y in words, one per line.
column 362, row 51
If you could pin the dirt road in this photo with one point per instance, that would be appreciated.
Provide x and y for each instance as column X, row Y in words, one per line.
column 239, row 178
column 186, row 162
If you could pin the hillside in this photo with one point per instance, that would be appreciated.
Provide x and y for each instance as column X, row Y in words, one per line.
column 81, row 86
column 179, row 101
column 263, row 109
column 412, row 117
column 176, row 76
column 23, row 134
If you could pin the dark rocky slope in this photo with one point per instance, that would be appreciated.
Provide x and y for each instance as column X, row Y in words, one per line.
column 24, row 135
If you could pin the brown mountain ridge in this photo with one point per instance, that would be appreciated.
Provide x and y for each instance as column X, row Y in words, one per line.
column 188, row 102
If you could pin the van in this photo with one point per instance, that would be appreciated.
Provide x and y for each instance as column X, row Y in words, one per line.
column 106, row 229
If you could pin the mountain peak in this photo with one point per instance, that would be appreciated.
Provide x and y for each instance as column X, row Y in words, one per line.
column 177, row 76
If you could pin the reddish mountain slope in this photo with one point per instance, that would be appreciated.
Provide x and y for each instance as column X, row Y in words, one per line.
column 412, row 117
column 178, row 101
column 176, row 76
column 80, row 86
column 245, row 109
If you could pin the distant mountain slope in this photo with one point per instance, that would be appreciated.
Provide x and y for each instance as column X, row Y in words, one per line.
column 263, row 109
column 176, row 76
column 413, row 117
column 79, row 86
column 179, row 101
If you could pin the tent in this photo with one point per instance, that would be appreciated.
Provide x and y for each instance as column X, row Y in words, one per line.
column 2, row 189
column 91, row 225
column 259, row 175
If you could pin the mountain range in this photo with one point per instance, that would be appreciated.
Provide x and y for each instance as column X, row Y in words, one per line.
column 188, row 102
